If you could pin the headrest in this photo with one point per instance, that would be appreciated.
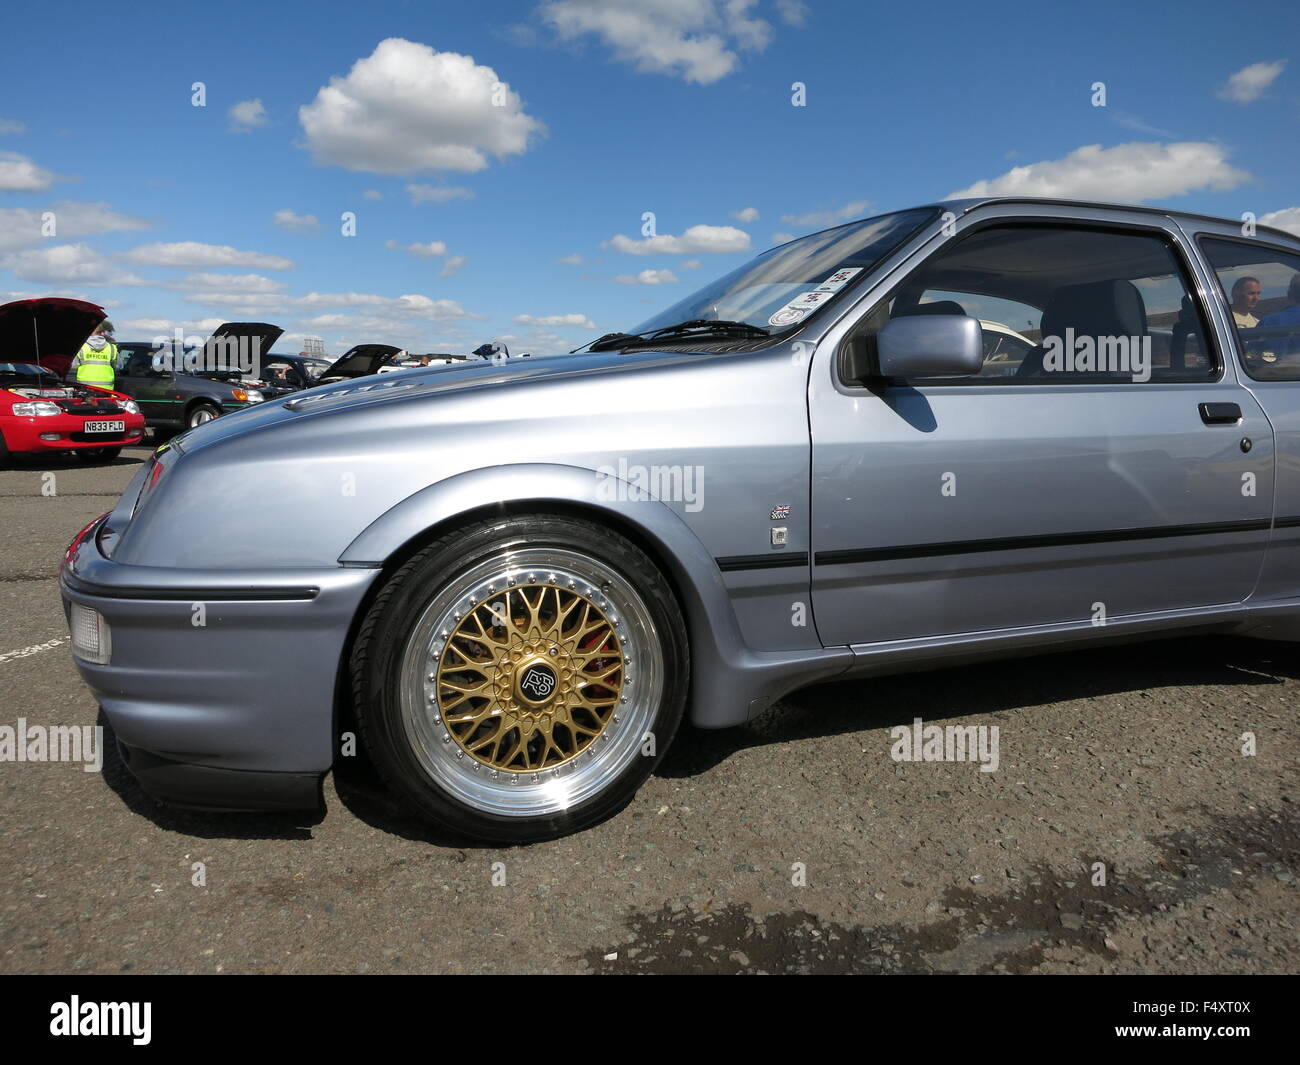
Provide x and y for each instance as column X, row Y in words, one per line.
column 1101, row 308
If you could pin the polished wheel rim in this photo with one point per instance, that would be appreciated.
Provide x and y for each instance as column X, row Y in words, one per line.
column 200, row 417
column 529, row 683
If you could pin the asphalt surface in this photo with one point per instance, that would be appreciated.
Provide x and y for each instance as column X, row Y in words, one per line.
column 794, row 844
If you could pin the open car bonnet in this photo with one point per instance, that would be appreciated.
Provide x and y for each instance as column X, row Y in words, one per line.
column 48, row 331
column 361, row 360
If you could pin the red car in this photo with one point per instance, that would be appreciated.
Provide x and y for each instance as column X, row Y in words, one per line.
column 39, row 412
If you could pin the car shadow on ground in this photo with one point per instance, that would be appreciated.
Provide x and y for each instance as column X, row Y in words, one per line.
column 839, row 707
column 70, row 462
column 199, row 823
column 821, row 710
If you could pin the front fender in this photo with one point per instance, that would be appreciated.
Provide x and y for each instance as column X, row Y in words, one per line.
column 730, row 681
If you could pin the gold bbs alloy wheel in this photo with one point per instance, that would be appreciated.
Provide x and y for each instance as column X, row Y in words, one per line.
column 530, row 677
column 502, row 724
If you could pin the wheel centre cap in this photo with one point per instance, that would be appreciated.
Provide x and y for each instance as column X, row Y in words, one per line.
column 536, row 683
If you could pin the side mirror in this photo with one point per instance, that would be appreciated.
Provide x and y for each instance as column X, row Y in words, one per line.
column 930, row 345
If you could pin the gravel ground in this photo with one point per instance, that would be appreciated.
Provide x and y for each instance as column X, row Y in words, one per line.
column 793, row 844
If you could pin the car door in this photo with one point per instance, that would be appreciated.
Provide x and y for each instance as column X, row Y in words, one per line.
column 150, row 387
column 1267, row 344
column 1072, row 491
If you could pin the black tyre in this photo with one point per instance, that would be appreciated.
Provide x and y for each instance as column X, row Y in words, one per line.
column 519, row 679
column 201, row 414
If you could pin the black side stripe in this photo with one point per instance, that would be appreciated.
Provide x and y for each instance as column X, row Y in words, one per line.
column 190, row 594
column 773, row 561
column 1017, row 543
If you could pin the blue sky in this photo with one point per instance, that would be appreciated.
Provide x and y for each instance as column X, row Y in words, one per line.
column 480, row 144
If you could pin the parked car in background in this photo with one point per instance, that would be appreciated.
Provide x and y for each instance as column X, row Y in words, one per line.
column 171, row 399
column 522, row 577
column 362, row 360
column 39, row 413
column 280, row 374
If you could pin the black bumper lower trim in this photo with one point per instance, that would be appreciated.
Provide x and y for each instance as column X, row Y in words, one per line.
column 203, row 787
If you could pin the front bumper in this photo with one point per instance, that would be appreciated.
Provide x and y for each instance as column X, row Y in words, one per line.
column 221, row 686
column 23, row 436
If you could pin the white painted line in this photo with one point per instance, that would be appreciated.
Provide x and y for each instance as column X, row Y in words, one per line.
column 35, row 649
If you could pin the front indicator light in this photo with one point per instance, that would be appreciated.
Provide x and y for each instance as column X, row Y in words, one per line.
column 240, row 395
column 92, row 641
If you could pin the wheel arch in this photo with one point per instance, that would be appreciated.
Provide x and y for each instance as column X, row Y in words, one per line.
column 727, row 677
column 199, row 401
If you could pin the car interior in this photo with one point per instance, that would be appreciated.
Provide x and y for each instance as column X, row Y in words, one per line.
column 1054, row 279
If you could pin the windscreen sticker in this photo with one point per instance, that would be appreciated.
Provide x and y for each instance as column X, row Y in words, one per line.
column 839, row 279
column 799, row 306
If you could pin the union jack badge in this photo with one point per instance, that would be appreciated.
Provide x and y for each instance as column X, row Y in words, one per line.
column 780, row 512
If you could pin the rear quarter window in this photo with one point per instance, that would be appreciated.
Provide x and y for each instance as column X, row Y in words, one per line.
column 1260, row 284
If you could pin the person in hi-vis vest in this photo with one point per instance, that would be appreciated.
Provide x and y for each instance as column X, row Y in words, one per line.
column 97, row 358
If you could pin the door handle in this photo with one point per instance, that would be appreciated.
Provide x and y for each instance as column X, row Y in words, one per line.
column 1220, row 413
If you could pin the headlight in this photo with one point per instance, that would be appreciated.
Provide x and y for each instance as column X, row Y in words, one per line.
column 39, row 409
column 255, row 397
column 129, row 405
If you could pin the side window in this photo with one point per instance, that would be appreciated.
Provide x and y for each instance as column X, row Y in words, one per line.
column 1262, row 288
column 136, row 363
column 1062, row 304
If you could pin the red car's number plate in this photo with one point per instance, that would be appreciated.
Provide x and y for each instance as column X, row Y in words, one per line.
column 118, row 426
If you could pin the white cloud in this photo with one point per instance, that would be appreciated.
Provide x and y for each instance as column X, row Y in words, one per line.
column 782, row 238
column 793, row 12
column 409, row 306
column 572, row 260
column 209, row 282
column 647, row 277
column 20, row 227
column 67, row 264
column 340, row 299
column 452, row 265
column 1128, row 172
column 694, row 241
column 691, row 264
column 822, row 219
column 579, row 321
column 697, row 40
column 151, row 327
column 746, row 214
column 1250, row 83
column 246, row 116
column 437, row 193
column 19, row 174
column 1287, row 218
column 1138, row 125
column 286, row 219
column 536, row 342
column 426, row 251
column 12, row 125
column 406, row 108
column 252, row 303
column 194, row 253
column 372, row 194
